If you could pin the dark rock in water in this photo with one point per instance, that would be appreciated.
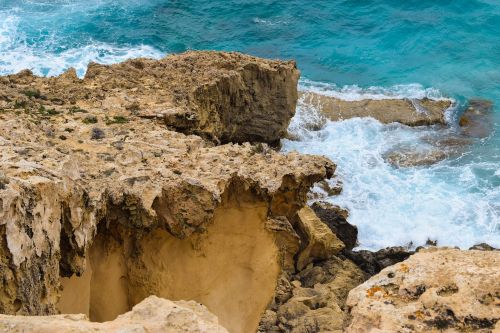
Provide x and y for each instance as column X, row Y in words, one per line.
column 483, row 247
column 336, row 219
column 374, row 262
column 477, row 120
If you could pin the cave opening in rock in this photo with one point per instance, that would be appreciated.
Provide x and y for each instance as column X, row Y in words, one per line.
column 232, row 268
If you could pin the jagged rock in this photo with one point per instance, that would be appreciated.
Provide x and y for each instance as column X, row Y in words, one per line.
column 477, row 120
column 483, row 247
column 317, row 301
column 373, row 262
column 95, row 226
column 321, row 241
column 336, row 218
column 154, row 315
column 435, row 290
column 225, row 97
column 414, row 112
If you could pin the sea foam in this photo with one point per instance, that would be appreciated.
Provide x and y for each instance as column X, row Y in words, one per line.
column 444, row 202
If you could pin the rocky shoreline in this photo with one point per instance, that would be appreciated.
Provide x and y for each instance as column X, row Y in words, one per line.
column 160, row 178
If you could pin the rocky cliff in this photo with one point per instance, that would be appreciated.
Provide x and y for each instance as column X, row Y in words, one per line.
column 106, row 197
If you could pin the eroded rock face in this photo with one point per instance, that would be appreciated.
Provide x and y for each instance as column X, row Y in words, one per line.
column 224, row 97
column 313, row 300
column 434, row 290
column 100, row 208
column 155, row 315
column 414, row 112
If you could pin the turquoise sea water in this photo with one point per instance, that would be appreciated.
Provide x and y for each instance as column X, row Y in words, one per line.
column 346, row 48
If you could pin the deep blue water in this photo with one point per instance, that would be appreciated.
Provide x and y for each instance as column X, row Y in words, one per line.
column 448, row 48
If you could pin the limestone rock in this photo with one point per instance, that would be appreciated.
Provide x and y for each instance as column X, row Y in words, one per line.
column 316, row 301
column 154, row 315
column 414, row 112
column 336, row 219
column 322, row 242
column 102, row 205
column 435, row 290
column 477, row 120
column 224, row 97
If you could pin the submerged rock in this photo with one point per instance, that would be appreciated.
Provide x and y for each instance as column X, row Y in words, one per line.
column 435, row 290
column 414, row 112
column 404, row 158
column 154, row 315
column 477, row 120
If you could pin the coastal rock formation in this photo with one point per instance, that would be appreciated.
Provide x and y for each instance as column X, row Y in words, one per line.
column 435, row 290
column 154, row 315
column 224, row 97
column 411, row 112
column 313, row 299
column 102, row 205
column 406, row 157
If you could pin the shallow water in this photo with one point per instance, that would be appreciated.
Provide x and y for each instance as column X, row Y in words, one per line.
column 348, row 49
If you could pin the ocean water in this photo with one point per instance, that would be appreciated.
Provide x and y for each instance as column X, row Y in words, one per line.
column 348, row 49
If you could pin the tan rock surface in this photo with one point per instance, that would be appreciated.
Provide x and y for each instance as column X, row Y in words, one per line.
column 322, row 242
column 414, row 112
column 435, row 290
column 100, row 208
column 153, row 315
column 225, row 97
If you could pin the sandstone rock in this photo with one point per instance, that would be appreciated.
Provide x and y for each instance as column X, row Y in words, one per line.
column 435, row 290
column 96, row 226
column 336, row 219
column 477, row 120
column 409, row 112
column 225, row 97
column 154, row 315
column 322, row 242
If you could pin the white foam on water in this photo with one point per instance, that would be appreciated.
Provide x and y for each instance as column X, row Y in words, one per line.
column 447, row 202
column 356, row 93
column 16, row 54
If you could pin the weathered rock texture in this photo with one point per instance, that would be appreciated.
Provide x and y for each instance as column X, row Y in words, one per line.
column 225, row 97
column 435, row 290
column 411, row 112
column 312, row 298
column 154, row 315
column 102, row 205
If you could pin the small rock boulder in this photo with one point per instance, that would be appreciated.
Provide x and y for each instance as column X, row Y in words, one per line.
column 321, row 241
column 336, row 219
